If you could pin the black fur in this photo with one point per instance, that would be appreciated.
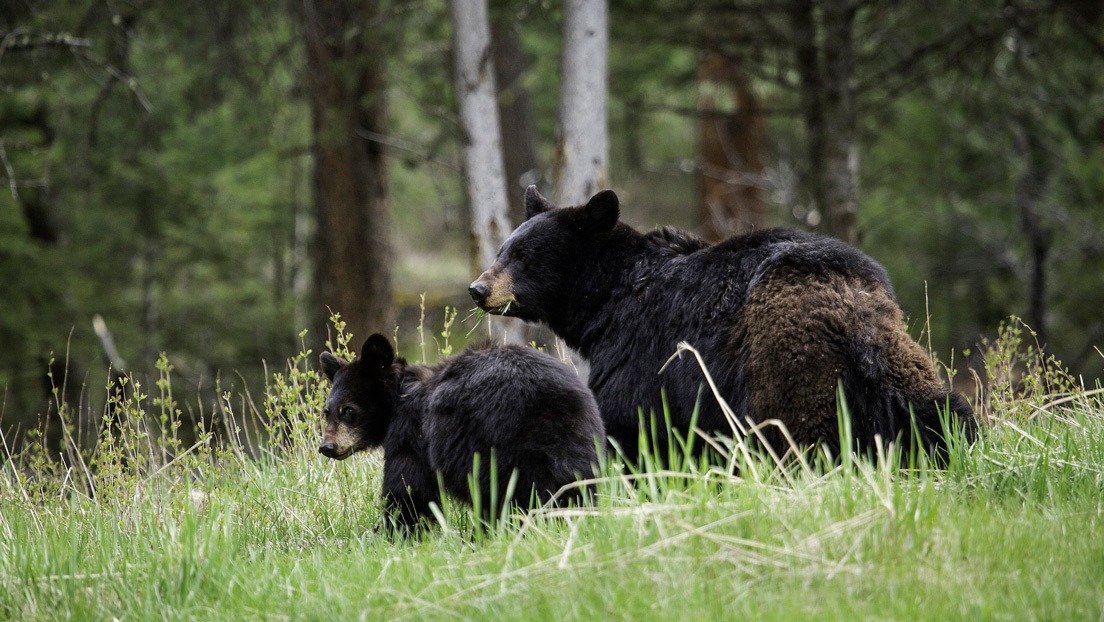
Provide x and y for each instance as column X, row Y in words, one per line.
column 524, row 407
column 625, row 300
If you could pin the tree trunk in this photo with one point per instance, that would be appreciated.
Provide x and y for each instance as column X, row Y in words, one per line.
column 345, row 82
column 582, row 147
column 515, row 115
column 730, row 142
column 518, row 142
column 633, row 122
column 1029, row 189
column 841, row 155
column 826, row 66
column 483, row 165
column 807, row 59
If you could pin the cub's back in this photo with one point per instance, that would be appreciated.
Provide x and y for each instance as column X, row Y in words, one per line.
column 528, row 408
column 513, row 394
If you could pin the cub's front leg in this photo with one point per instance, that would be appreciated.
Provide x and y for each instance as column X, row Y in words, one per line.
column 409, row 486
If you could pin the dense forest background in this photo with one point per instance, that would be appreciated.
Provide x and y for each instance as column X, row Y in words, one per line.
column 179, row 169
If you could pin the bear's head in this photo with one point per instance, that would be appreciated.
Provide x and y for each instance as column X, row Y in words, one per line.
column 542, row 259
column 361, row 401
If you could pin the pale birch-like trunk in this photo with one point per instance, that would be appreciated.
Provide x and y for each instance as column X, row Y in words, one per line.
column 482, row 142
column 582, row 149
column 476, row 94
column 580, row 163
column 518, row 138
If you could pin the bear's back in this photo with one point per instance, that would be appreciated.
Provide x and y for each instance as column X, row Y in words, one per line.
column 686, row 290
column 747, row 259
column 697, row 293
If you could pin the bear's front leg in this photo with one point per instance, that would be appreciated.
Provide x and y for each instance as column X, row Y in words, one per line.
column 408, row 488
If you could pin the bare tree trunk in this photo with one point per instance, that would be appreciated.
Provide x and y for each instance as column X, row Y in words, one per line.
column 515, row 115
column 582, row 148
column 730, row 143
column 841, row 163
column 149, row 322
column 518, row 141
column 826, row 66
column 346, row 80
column 579, row 167
column 475, row 92
column 300, row 277
column 632, row 124
column 803, row 23
column 483, row 166
column 1029, row 192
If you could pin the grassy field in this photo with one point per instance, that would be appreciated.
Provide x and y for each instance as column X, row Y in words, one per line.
column 143, row 527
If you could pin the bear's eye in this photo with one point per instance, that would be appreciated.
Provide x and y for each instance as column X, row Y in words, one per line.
column 521, row 256
column 348, row 413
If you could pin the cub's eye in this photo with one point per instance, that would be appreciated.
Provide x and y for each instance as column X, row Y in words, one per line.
column 348, row 413
column 521, row 255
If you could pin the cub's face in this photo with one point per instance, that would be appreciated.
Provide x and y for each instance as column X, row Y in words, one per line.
column 361, row 401
column 533, row 272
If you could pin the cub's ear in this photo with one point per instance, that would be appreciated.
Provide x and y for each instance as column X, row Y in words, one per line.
column 535, row 203
column 331, row 364
column 377, row 352
column 601, row 211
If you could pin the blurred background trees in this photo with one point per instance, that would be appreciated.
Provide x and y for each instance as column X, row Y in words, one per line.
column 213, row 177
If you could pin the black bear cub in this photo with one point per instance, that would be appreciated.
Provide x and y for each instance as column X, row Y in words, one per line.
column 521, row 406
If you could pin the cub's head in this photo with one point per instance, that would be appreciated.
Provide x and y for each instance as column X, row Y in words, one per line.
column 361, row 400
column 540, row 262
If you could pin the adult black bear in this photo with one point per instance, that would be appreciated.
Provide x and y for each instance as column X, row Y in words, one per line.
column 523, row 406
column 781, row 319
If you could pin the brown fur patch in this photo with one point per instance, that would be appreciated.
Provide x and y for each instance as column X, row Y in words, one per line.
column 799, row 330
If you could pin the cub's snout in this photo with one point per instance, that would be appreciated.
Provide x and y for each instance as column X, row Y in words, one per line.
column 328, row 449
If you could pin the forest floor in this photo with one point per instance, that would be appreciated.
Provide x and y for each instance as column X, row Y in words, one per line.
column 146, row 526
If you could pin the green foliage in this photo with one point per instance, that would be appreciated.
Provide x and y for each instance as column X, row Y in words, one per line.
column 1022, row 378
column 945, row 171
column 165, row 180
column 150, row 528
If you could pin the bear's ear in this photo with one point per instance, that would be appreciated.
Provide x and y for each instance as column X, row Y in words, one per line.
column 601, row 211
column 331, row 364
column 377, row 352
column 535, row 203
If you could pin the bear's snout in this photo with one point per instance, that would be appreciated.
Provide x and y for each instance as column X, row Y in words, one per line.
column 492, row 291
column 479, row 292
column 328, row 449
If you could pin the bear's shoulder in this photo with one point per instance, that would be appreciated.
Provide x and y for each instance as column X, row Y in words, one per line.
column 674, row 241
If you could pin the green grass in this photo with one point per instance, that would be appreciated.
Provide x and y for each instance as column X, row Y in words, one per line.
column 1012, row 528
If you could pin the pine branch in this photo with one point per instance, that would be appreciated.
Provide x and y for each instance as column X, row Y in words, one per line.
column 20, row 40
column 13, row 185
